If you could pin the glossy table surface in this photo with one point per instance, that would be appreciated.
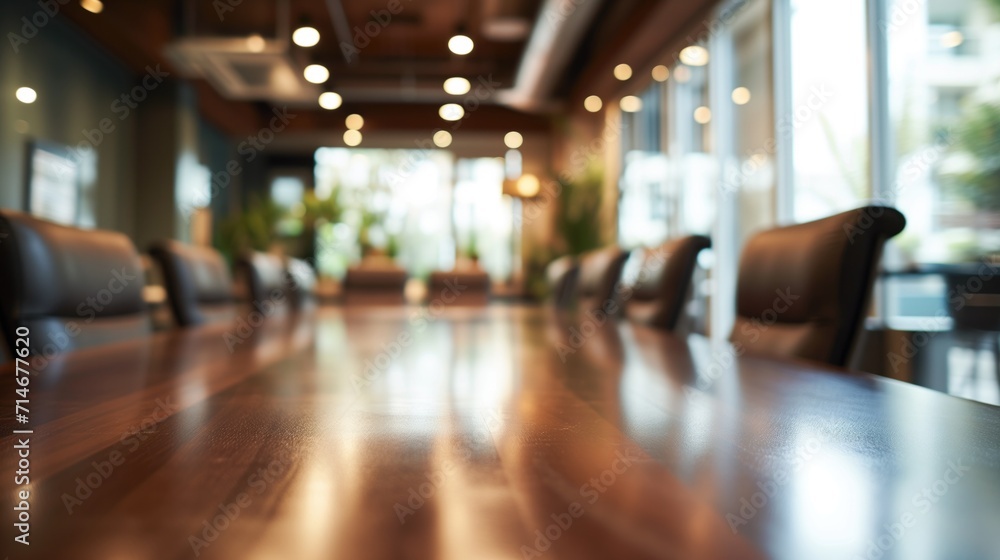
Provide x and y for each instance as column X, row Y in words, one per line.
column 498, row 432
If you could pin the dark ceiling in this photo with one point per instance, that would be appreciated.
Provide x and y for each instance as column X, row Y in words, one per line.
column 407, row 54
column 408, row 45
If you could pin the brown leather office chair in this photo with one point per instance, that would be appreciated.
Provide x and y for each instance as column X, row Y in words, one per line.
column 663, row 282
column 198, row 283
column 597, row 283
column 72, row 288
column 562, row 275
column 803, row 290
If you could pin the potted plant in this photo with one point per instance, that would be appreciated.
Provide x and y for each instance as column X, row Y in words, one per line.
column 472, row 250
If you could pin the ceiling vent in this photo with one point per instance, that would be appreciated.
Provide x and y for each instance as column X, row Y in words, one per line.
column 246, row 69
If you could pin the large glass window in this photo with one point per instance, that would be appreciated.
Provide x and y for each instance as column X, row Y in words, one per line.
column 696, row 170
column 646, row 211
column 944, row 98
column 753, row 175
column 829, row 119
column 396, row 203
column 484, row 216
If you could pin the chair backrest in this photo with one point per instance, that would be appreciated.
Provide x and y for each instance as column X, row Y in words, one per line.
column 600, row 272
column 375, row 282
column 803, row 290
column 975, row 305
column 562, row 275
column 72, row 288
column 264, row 277
column 302, row 277
column 198, row 283
column 458, row 287
column 663, row 281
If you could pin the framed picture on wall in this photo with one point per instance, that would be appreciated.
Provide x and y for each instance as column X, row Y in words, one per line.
column 52, row 186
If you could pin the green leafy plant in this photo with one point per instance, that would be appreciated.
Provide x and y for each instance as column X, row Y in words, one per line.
column 392, row 246
column 472, row 247
column 578, row 220
column 258, row 226
column 974, row 171
column 254, row 228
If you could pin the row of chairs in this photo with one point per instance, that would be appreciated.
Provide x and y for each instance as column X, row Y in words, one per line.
column 75, row 288
column 802, row 290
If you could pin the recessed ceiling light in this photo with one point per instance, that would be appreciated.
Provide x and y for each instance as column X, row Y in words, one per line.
column 354, row 121
column 682, row 74
column 741, row 96
column 623, row 72
column 702, row 115
column 952, row 39
column 451, row 112
column 316, row 73
column 506, row 28
column 25, row 95
column 528, row 185
column 442, row 139
column 630, row 104
column 593, row 103
column 352, row 137
column 460, row 44
column 330, row 100
column 513, row 140
column 661, row 73
column 92, row 6
column 255, row 43
column 695, row 55
column 305, row 36
column 457, row 86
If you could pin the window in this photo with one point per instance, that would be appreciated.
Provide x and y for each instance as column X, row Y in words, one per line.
column 484, row 216
column 396, row 203
column 645, row 207
column 753, row 175
column 943, row 81
column 695, row 169
column 829, row 119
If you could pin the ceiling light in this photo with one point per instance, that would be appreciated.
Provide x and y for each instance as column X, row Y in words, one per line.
column 506, row 29
column 460, row 44
column 695, row 55
column 661, row 73
column 741, row 96
column 451, row 112
column 513, row 140
column 442, row 139
column 305, row 36
column 255, row 43
column 92, row 6
column 354, row 121
column 630, row 104
column 682, row 74
column 457, row 86
column 330, row 100
column 623, row 72
column 952, row 39
column 316, row 73
column 593, row 103
column 702, row 115
column 25, row 95
column 528, row 185
column 352, row 137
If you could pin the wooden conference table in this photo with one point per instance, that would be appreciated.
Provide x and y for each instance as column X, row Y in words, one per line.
column 500, row 432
